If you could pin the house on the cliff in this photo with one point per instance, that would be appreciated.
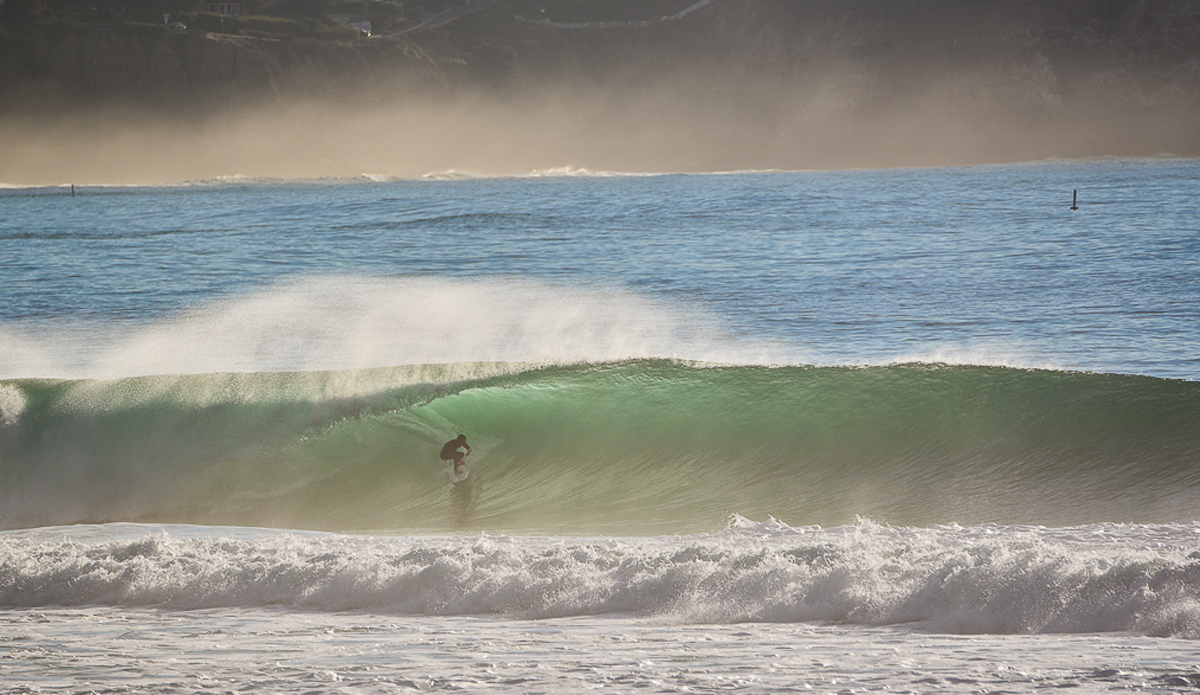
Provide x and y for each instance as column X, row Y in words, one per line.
column 225, row 8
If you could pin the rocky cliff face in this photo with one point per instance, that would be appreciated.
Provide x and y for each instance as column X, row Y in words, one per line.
column 788, row 83
column 1148, row 51
column 1059, row 77
column 1139, row 53
column 153, row 67
column 1143, row 53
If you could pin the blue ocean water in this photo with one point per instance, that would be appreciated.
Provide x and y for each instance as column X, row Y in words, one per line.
column 729, row 431
column 855, row 267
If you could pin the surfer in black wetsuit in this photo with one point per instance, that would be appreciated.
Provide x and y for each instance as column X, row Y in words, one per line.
column 450, row 452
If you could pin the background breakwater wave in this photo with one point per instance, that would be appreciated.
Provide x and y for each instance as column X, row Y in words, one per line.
column 635, row 446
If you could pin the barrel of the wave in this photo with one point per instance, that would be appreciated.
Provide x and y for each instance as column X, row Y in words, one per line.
column 640, row 446
column 681, row 446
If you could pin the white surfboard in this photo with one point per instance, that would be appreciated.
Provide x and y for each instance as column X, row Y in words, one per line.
column 462, row 474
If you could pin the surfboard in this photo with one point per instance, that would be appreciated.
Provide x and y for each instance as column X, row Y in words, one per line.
column 462, row 474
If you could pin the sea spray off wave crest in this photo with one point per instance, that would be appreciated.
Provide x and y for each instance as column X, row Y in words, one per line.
column 636, row 446
column 985, row 579
column 348, row 322
column 345, row 322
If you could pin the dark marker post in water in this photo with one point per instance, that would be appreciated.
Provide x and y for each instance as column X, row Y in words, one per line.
column 1075, row 199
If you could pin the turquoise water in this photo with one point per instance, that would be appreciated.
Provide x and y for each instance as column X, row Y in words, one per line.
column 625, row 447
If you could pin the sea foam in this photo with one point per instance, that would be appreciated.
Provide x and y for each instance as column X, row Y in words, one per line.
column 977, row 580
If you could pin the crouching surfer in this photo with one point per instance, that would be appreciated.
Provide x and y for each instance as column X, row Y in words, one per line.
column 450, row 452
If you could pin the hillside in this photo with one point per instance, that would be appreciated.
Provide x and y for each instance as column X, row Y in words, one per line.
column 795, row 82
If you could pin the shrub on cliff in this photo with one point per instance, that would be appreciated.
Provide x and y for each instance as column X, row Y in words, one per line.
column 21, row 11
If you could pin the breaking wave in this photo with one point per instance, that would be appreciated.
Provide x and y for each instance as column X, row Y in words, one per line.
column 635, row 446
column 989, row 579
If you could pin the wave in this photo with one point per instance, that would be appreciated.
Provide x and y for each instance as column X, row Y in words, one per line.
column 948, row 579
column 238, row 180
column 630, row 447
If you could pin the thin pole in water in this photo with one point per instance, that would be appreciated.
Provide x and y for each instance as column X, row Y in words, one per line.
column 1075, row 200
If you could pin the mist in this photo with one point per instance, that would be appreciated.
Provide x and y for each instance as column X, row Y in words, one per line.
column 737, row 86
column 665, row 129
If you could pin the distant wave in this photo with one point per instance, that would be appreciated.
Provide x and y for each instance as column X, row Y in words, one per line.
column 565, row 171
column 635, row 446
column 993, row 579
column 561, row 171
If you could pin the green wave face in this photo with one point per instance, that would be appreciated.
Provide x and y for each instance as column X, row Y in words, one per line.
column 631, row 447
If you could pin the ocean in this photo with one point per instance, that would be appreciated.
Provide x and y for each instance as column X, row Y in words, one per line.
column 907, row 430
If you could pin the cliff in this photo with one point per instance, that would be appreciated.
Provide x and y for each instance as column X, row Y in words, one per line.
column 786, row 83
column 152, row 67
column 1138, row 52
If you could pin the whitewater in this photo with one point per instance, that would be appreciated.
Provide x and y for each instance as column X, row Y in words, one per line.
column 907, row 430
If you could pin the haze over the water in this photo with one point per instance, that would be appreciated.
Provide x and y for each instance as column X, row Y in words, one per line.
column 645, row 132
column 732, row 86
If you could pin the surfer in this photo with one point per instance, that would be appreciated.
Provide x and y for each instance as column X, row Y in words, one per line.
column 450, row 451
